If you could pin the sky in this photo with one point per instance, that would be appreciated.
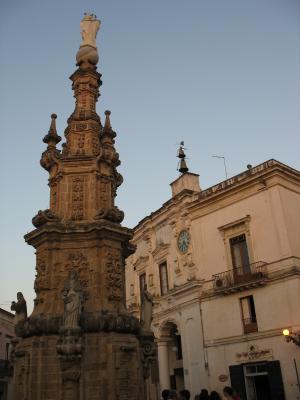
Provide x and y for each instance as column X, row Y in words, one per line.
column 224, row 76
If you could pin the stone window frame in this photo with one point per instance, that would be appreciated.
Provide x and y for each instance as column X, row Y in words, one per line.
column 161, row 255
column 233, row 229
column 163, row 262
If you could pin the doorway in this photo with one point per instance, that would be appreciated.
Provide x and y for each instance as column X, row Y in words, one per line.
column 257, row 382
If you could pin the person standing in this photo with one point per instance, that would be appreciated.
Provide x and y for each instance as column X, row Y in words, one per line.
column 230, row 393
column 185, row 394
column 214, row 396
column 165, row 394
column 204, row 395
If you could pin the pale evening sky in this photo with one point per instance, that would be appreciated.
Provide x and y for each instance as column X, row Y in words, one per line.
column 224, row 76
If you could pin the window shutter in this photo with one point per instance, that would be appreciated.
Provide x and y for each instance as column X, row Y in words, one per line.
column 275, row 380
column 237, row 380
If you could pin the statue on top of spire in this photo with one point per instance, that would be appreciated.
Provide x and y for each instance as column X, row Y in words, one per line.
column 88, row 53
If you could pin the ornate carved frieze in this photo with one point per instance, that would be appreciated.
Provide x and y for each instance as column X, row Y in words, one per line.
column 104, row 320
column 53, row 198
column 77, row 260
column 55, row 179
column 77, row 198
column 80, row 144
column 80, row 127
column 114, row 277
column 95, row 146
column 42, row 279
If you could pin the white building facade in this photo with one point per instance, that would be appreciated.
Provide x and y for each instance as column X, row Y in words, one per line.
column 223, row 267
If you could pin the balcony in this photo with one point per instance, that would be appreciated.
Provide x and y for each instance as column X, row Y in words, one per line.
column 250, row 325
column 237, row 279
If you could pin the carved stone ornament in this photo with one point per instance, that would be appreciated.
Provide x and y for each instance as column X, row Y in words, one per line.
column 69, row 346
column 149, row 353
column 77, row 198
column 111, row 214
column 49, row 158
column 114, row 279
column 43, row 217
column 41, row 281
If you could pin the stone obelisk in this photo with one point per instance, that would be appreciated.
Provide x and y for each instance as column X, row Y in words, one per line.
column 80, row 343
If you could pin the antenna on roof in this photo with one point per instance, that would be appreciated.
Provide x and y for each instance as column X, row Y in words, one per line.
column 224, row 164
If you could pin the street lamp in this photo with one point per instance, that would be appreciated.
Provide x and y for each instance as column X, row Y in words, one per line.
column 291, row 337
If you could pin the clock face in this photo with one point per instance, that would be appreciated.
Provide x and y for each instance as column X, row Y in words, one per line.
column 183, row 241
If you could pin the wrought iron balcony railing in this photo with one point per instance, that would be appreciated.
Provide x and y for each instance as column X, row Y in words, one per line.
column 250, row 324
column 244, row 275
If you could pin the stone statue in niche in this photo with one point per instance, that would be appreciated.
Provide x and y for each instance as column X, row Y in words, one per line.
column 72, row 298
column 146, row 309
column 20, row 307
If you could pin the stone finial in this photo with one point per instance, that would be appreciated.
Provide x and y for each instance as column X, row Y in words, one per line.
column 107, row 124
column 87, row 54
column 52, row 137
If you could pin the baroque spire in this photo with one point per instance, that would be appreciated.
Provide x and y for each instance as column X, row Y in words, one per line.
column 79, row 313
column 83, row 177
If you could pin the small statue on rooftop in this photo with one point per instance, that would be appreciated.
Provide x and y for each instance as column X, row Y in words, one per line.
column 20, row 308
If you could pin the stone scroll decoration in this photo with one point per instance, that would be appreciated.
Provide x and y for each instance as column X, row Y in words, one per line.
column 149, row 353
column 114, row 275
column 77, row 198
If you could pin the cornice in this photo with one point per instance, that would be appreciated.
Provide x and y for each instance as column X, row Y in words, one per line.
column 252, row 178
column 244, row 337
column 60, row 231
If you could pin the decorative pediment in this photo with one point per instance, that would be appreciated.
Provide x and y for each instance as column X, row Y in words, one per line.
column 140, row 262
column 161, row 250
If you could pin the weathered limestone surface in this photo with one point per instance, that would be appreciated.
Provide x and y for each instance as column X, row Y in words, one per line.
column 99, row 351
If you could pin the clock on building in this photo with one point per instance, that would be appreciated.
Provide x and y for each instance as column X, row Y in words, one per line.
column 183, row 241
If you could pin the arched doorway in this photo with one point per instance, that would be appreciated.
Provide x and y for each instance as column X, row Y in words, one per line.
column 171, row 373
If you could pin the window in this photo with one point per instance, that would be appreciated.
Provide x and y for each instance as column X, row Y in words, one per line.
column 142, row 284
column 248, row 314
column 163, row 276
column 179, row 347
column 239, row 254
